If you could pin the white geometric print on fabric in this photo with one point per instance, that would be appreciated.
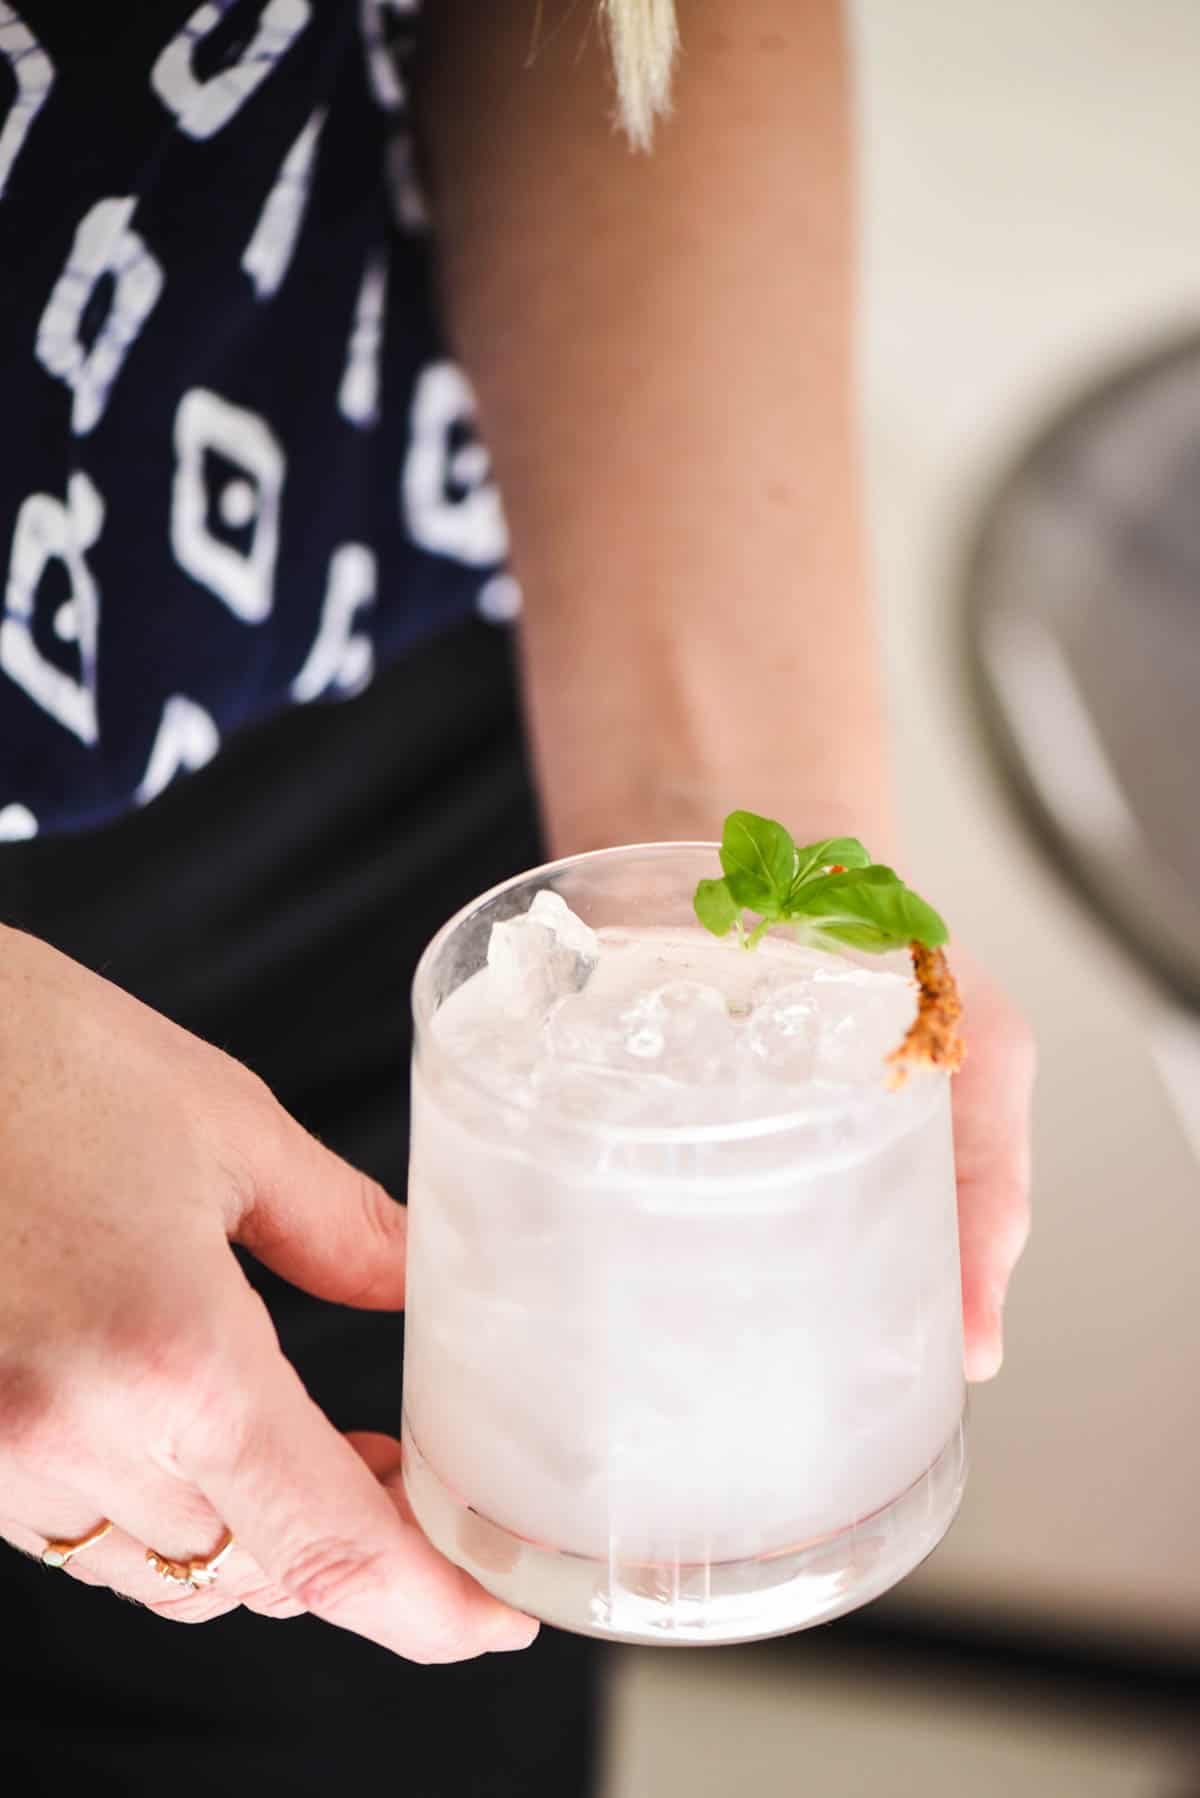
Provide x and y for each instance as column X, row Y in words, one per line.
column 204, row 107
column 269, row 251
column 358, row 394
column 17, row 824
column 104, row 245
column 499, row 599
column 342, row 659
column 46, row 532
column 387, row 84
column 410, row 209
column 33, row 73
column 243, row 577
column 383, row 70
column 187, row 738
column 448, row 500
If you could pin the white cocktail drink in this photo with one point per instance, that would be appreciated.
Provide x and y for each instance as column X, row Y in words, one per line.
column 684, row 1346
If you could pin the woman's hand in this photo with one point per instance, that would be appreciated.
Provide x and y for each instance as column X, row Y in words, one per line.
column 140, row 1377
column 992, row 1094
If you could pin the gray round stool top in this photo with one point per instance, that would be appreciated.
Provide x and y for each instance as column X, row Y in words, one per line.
column 1084, row 624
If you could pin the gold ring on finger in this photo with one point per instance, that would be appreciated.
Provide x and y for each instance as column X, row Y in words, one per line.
column 193, row 1574
column 57, row 1554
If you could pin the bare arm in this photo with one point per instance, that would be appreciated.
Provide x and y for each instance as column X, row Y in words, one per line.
column 663, row 351
column 662, row 348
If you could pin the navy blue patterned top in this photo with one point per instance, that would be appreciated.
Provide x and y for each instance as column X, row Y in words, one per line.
column 237, row 467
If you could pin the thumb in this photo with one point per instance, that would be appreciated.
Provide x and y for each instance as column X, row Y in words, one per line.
column 323, row 1225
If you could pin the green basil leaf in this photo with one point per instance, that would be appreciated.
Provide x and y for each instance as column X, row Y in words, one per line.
column 759, row 859
column 868, row 908
column 716, row 907
column 813, row 857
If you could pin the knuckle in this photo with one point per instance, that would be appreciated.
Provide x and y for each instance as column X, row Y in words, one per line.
column 243, row 1125
column 242, row 1086
column 331, row 1574
column 149, row 1351
column 33, row 1422
column 271, row 1124
column 194, row 1407
column 213, row 1423
column 169, row 1375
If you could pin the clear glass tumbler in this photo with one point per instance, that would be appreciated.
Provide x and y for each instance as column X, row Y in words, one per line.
column 684, row 1342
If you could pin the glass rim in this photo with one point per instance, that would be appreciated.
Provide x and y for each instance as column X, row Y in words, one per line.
column 770, row 1124
column 544, row 870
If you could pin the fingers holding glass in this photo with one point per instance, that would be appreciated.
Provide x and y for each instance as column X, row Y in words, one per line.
column 189, row 1584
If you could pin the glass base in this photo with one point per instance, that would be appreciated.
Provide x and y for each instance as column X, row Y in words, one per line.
column 668, row 1603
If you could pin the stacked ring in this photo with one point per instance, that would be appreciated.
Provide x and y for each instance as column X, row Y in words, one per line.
column 193, row 1574
column 57, row 1554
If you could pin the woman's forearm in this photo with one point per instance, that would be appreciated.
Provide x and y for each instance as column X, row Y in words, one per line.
column 662, row 348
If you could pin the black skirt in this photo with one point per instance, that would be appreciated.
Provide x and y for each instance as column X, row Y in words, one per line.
column 276, row 903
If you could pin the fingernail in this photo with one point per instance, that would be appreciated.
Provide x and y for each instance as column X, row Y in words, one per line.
column 985, row 1359
column 513, row 1632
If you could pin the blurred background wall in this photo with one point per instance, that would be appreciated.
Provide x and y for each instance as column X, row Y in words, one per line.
column 1031, row 218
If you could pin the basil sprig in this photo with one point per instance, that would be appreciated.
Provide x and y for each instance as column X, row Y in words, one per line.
column 831, row 889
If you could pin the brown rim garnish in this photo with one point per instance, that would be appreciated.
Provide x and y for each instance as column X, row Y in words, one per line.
column 933, row 1039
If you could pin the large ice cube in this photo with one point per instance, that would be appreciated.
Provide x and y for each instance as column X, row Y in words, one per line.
column 699, row 1040
column 782, row 1034
column 680, row 1031
column 543, row 956
column 551, row 909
